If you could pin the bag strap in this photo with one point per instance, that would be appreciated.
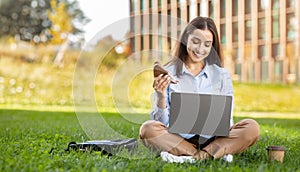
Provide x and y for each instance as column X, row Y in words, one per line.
column 71, row 145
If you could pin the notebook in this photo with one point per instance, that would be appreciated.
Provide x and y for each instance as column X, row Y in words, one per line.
column 203, row 114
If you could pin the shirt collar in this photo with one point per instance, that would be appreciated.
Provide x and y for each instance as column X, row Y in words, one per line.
column 203, row 72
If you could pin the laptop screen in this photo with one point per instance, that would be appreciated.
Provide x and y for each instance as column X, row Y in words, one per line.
column 206, row 114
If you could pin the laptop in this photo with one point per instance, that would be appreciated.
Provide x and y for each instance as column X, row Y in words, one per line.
column 203, row 114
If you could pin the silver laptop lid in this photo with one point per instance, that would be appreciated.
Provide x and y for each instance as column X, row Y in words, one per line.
column 206, row 114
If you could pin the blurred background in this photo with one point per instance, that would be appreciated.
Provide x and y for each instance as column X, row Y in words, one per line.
column 41, row 41
column 260, row 38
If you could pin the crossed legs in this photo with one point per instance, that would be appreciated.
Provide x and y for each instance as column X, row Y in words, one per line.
column 242, row 135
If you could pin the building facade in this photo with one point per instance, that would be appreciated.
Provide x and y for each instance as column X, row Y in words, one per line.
column 260, row 38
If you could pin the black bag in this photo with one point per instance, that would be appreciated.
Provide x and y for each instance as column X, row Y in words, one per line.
column 108, row 147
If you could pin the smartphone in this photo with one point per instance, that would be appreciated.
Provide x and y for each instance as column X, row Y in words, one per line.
column 158, row 70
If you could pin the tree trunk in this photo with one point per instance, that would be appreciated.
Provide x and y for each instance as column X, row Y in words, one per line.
column 59, row 57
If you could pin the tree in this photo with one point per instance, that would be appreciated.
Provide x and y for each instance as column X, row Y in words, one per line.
column 24, row 19
column 28, row 19
column 61, row 22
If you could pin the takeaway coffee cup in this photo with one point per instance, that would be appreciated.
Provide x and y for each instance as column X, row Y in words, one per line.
column 276, row 153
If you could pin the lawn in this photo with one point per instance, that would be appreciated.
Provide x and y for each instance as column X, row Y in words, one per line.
column 27, row 137
column 37, row 115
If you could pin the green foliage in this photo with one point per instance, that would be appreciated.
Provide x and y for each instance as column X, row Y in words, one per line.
column 27, row 137
column 103, row 54
column 23, row 18
column 27, row 20
column 61, row 22
column 105, row 50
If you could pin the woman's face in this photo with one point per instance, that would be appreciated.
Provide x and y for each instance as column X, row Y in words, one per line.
column 199, row 44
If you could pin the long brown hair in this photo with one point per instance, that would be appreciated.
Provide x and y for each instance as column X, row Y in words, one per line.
column 180, row 53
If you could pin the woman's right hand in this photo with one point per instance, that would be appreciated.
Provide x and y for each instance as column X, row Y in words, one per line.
column 160, row 85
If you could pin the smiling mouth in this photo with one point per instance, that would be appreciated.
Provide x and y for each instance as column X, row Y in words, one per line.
column 198, row 54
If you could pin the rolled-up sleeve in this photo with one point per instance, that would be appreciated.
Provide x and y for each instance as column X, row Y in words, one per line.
column 160, row 114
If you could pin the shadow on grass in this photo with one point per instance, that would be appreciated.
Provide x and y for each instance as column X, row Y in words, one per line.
column 49, row 119
column 271, row 121
column 117, row 122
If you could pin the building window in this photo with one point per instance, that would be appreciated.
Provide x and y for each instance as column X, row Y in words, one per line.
column 237, row 66
column 248, row 6
column 290, row 50
column 275, row 4
column 159, row 3
column 142, row 42
column 211, row 9
column 291, row 23
column 142, row 24
column 275, row 19
column 223, row 33
column 290, row 3
column 235, row 53
column 198, row 8
column 159, row 17
column 261, row 28
column 261, row 51
column 178, row 34
column 247, row 51
column 223, row 9
column 188, row 13
column 251, row 72
column 132, row 44
column 150, row 41
column 150, row 4
column 159, row 28
column 264, row 71
column 178, row 15
column 169, row 40
column 235, row 7
column 150, row 22
column 275, row 50
column 275, row 26
column 141, row 5
column 160, row 42
column 169, row 18
column 262, row 5
column 132, row 6
column 238, row 70
column 278, row 70
column 235, row 32
column 248, row 26
column 132, row 24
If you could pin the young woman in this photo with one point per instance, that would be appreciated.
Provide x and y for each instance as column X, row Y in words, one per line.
column 198, row 66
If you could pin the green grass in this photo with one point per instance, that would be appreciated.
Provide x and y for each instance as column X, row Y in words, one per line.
column 28, row 136
column 37, row 114
column 267, row 97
